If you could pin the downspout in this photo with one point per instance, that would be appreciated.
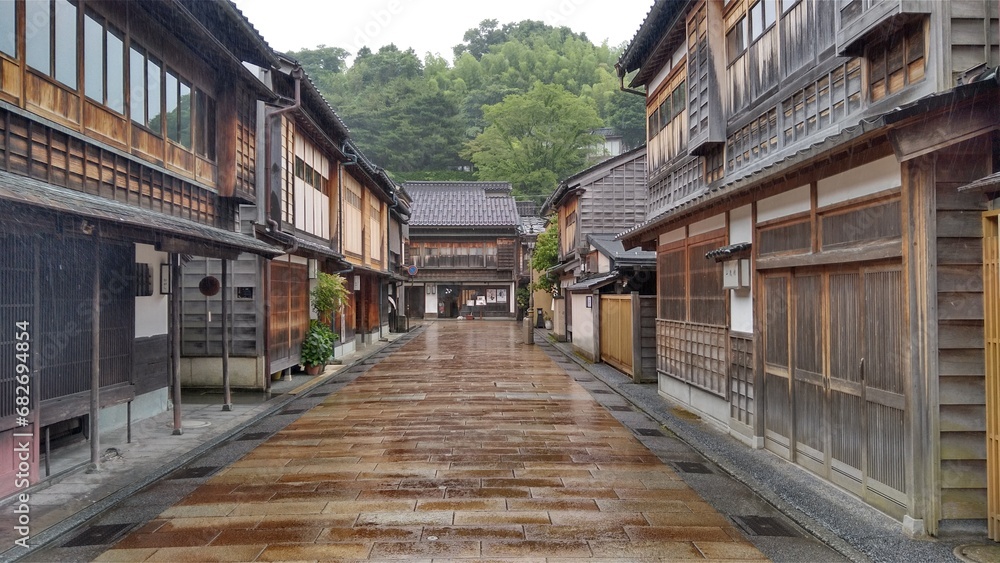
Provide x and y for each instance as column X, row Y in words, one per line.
column 621, row 84
column 270, row 202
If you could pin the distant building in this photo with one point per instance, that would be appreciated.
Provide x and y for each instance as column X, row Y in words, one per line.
column 464, row 245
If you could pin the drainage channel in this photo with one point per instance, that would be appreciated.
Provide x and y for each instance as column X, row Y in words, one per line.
column 109, row 520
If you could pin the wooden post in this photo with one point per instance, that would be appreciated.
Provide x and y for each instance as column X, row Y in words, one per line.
column 175, row 337
column 95, row 362
column 636, row 329
column 595, row 311
column 227, row 401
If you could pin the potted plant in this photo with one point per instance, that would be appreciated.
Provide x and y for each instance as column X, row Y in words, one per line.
column 318, row 344
column 317, row 347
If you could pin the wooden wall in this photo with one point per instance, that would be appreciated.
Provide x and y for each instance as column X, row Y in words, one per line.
column 202, row 337
column 961, row 368
column 972, row 38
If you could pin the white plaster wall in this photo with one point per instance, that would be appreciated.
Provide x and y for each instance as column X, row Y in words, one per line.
column 430, row 301
column 583, row 324
column 707, row 225
column 872, row 178
column 144, row 406
column 712, row 408
column 673, row 236
column 741, row 300
column 153, row 312
column 784, row 204
column 512, row 298
column 244, row 373
column 603, row 263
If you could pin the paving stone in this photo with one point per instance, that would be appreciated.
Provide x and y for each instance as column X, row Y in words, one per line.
column 447, row 448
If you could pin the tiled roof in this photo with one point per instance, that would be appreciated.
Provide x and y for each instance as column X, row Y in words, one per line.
column 462, row 204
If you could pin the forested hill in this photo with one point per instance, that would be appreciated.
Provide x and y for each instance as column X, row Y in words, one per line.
column 517, row 103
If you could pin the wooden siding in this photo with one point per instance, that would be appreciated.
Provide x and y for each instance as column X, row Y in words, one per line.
column 973, row 35
column 616, row 331
column 44, row 153
column 616, row 201
column 960, row 321
column 201, row 316
column 647, row 337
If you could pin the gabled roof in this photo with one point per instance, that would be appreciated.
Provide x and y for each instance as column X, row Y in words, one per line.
column 573, row 181
column 614, row 249
column 462, row 204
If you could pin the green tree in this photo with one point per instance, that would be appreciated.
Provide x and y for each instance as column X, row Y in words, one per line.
column 546, row 255
column 534, row 139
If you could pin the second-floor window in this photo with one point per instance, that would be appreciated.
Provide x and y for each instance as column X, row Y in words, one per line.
column 177, row 102
column 8, row 37
column 104, row 63
column 144, row 88
column 667, row 118
column 897, row 62
column 50, row 39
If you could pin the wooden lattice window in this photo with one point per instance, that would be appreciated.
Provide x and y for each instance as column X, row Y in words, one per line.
column 782, row 239
column 874, row 222
column 690, row 286
column 707, row 298
column 672, row 290
column 897, row 62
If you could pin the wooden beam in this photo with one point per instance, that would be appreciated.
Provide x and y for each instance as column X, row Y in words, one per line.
column 227, row 398
column 175, row 336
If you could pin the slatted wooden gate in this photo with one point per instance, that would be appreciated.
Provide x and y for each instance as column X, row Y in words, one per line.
column 834, row 377
column 991, row 283
column 616, row 332
column 289, row 312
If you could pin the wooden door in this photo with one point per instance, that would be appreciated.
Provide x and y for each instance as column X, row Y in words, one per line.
column 777, row 375
column 835, row 374
column 991, row 301
column 883, row 379
column 616, row 331
column 808, row 379
column 289, row 312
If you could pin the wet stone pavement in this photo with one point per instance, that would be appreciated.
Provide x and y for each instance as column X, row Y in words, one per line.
column 463, row 443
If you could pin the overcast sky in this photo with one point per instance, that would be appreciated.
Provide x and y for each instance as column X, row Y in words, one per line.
column 433, row 26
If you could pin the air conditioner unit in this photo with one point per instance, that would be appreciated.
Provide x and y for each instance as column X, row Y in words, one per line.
column 246, row 218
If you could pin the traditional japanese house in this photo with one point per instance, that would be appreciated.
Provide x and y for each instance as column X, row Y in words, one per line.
column 820, row 288
column 375, row 212
column 127, row 142
column 315, row 177
column 464, row 246
column 604, row 199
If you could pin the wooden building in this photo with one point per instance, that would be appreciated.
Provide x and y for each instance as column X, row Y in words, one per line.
column 603, row 199
column 127, row 141
column 318, row 183
column 464, row 245
column 820, row 288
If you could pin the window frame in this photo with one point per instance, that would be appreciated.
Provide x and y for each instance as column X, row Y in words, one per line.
column 106, row 97
column 57, row 44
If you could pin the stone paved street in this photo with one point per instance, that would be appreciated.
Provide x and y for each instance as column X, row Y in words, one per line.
column 462, row 444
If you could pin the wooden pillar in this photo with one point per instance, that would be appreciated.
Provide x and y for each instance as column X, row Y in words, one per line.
column 95, row 362
column 636, row 329
column 227, row 401
column 595, row 303
column 175, row 338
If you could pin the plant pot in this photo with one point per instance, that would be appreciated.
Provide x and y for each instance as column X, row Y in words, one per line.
column 548, row 325
column 314, row 370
